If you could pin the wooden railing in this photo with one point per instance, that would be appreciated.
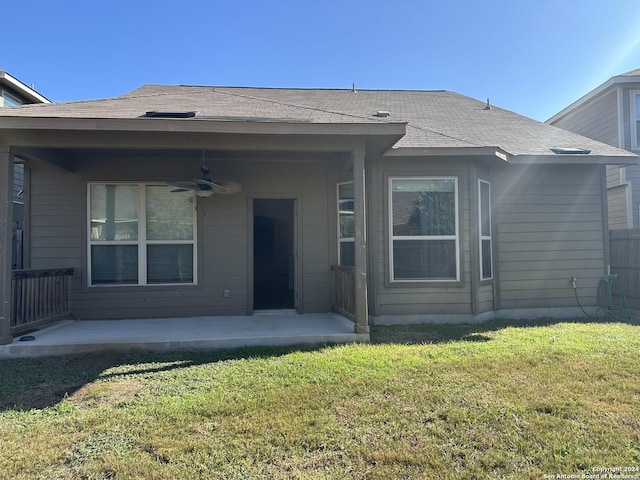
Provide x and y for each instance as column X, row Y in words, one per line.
column 39, row 297
column 344, row 291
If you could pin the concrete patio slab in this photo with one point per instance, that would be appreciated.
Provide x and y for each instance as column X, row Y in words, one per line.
column 171, row 334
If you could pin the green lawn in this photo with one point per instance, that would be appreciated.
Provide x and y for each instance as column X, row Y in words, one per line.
column 457, row 401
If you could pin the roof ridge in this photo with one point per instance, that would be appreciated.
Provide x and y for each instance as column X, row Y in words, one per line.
column 318, row 89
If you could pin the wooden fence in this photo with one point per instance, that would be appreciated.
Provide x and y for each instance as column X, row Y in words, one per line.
column 344, row 291
column 625, row 262
column 39, row 297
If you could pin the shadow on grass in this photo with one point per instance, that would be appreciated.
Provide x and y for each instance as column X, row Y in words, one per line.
column 36, row 383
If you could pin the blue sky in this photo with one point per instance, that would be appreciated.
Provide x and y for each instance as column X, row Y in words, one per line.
column 531, row 56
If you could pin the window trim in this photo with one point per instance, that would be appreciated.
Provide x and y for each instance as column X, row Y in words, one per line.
column 141, row 242
column 635, row 120
column 338, row 211
column 391, row 237
column 481, row 237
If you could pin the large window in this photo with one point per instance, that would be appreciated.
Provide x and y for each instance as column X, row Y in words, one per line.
column 346, row 225
column 140, row 234
column 424, row 229
column 484, row 207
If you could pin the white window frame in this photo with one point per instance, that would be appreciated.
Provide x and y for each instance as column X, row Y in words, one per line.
column 340, row 239
column 635, row 120
column 480, row 235
column 141, row 242
column 392, row 237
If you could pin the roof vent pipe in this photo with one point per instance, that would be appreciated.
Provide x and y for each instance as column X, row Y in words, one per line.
column 488, row 107
column 353, row 87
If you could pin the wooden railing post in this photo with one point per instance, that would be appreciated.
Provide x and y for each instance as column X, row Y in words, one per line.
column 6, row 240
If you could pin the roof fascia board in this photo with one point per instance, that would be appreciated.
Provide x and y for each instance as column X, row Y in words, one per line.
column 17, row 85
column 187, row 140
column 623, row 160
column 596, row 92
column 201, row 126
column 448, row 152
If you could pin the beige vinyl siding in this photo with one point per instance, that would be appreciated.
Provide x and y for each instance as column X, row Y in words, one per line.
column 417, row 298
column 550, row 228
column 617, row 200
column 627, row 111
column 598, row 120
column 632, row 173
column 633, row 179
column 56, row 220
column 485, row 298
column 58, row 226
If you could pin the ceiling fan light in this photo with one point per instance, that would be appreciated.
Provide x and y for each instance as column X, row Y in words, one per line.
column 204, row 193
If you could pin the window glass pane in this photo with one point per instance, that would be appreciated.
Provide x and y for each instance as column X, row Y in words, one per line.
column 114, row 212
column 486, row 259
column 485, row 217
column 11, row 101
column 114, row 264
column 170, row 264
column 347, row 254
column 169, row 214
column 424, row 207
column 345, row 197
column 347, row 225
column 424, row 259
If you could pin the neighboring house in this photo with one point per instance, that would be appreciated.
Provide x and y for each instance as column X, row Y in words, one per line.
column 611, row 114
column 448, row 208
column 14, row 93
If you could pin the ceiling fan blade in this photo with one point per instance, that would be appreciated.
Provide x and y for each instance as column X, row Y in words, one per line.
column 183, row 186
column 224, row 187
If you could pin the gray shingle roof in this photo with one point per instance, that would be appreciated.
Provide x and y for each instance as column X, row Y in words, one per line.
column 436, row 119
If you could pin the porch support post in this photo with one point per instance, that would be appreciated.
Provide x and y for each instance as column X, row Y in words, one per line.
column 359, row 206
column 6, row 226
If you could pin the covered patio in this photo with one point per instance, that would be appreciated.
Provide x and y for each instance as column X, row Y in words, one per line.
column 173, row 334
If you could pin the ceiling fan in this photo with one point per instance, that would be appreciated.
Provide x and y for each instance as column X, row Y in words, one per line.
column 205, row 186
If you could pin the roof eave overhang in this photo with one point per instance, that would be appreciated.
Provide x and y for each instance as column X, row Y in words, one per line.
column 595, row 93
column 622, row 160
column 375, row 138
column 448, row 152
column 196, row 125
column 24, row 90
column 497, row 152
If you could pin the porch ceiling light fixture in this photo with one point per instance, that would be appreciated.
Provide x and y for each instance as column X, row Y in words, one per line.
column 204, row 193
